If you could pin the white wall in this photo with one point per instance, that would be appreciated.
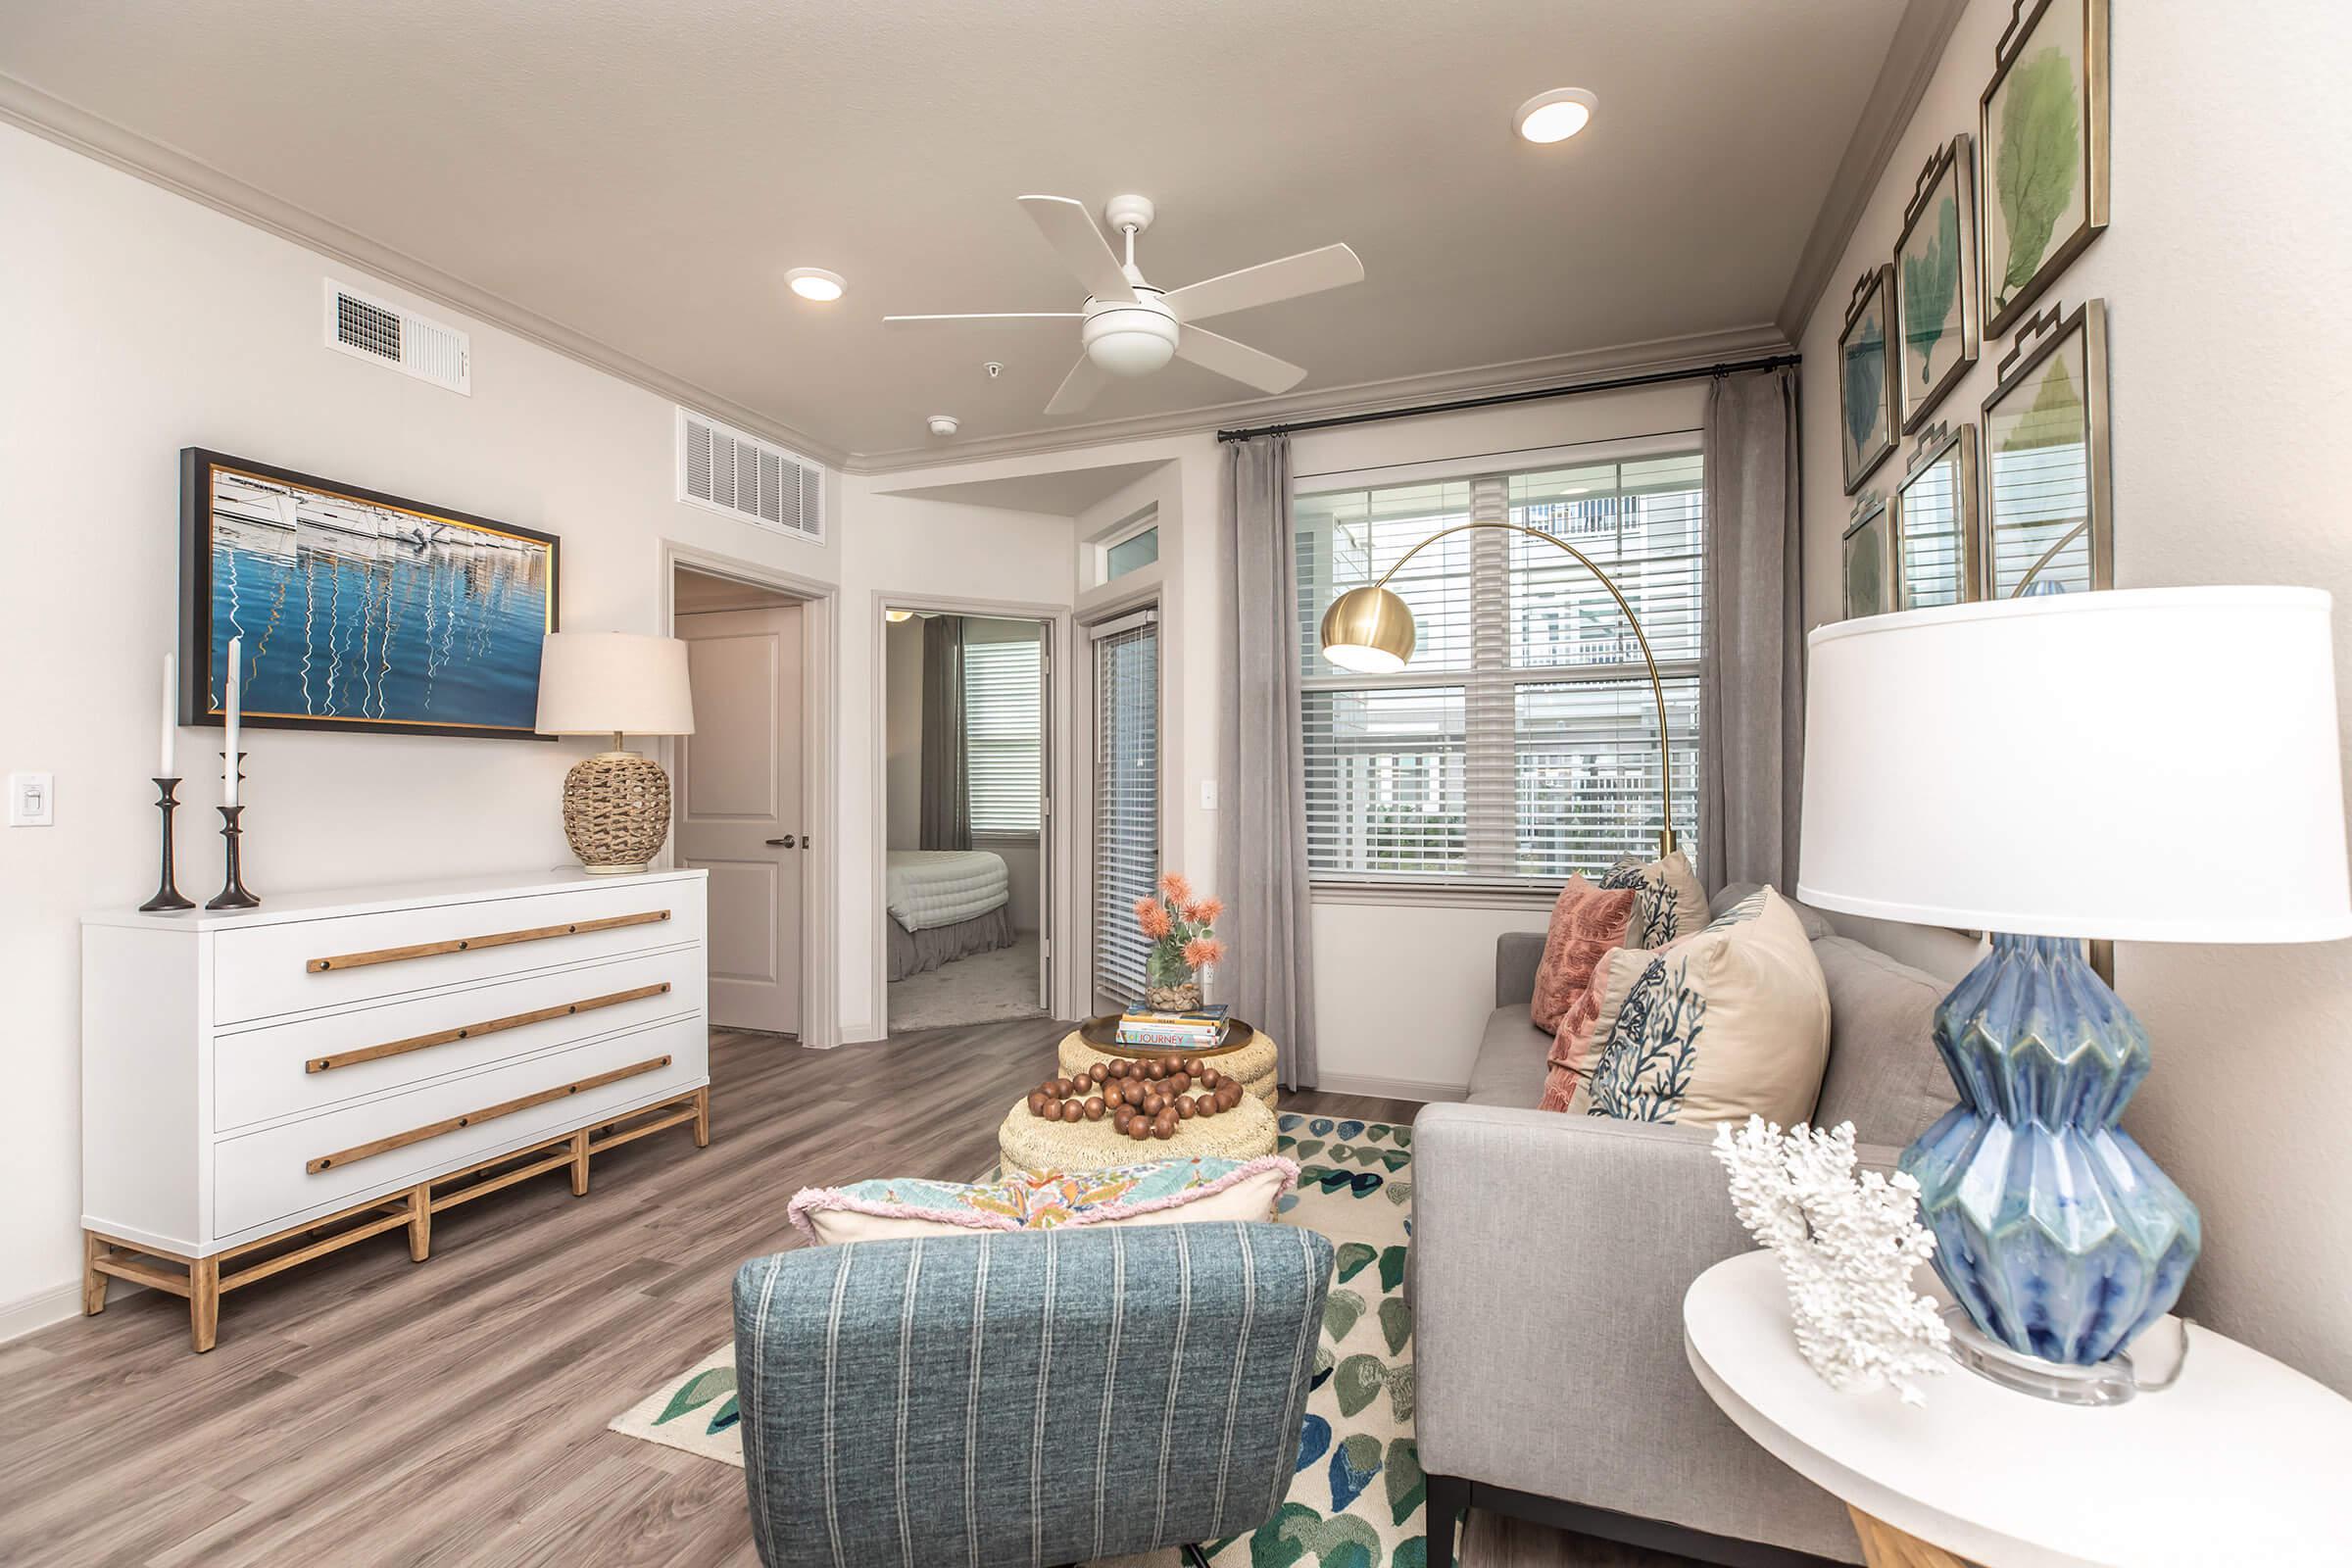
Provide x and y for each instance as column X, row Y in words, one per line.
column 137, row 323
column 2230, row 393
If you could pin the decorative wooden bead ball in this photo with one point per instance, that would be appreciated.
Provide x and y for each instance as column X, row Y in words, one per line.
column 1164, row 1124
column 1210, row 1077
column 1093, row 1107
column 1156, row 1071
column 1140, row 1128
column 1184, row 1108
column 1098, row 1073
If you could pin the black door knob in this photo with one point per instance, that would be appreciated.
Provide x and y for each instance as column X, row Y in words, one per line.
column 787, row 842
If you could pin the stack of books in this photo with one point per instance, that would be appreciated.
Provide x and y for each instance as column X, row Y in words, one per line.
column 1199, row 1029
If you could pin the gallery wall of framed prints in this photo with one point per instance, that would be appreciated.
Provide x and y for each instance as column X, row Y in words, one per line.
column 2017, row 500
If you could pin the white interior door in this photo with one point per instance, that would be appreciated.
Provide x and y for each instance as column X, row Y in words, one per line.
column 739, row 809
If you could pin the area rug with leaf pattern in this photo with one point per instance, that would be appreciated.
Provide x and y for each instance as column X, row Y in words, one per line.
column 1356, row 1499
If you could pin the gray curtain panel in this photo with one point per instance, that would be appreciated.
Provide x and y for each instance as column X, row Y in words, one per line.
column 1268, row 978
column 946, row 817
column 1751, row 686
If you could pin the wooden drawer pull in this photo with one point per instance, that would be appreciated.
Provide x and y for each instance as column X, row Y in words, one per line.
column 505, row 1107
column 497, row 939
column 443, row 1037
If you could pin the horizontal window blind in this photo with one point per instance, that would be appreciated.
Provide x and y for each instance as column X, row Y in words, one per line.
column 1126, row 804
column 1004, row 735
column 1520, row 744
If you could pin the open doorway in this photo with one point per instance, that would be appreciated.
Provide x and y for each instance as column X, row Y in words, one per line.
column 965, row 802
column 741, row 779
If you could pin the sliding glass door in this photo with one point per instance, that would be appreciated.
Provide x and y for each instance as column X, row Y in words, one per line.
column 1126, row 799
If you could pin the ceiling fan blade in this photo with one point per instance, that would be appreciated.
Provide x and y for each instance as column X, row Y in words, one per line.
column 1070, row 230
column 1307, row 273
column 1237, row 360
column 1078, row 388
column 990, row 316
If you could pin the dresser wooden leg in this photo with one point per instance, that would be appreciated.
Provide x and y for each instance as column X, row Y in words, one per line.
column 579, row 1163
column 420, row 1222
column 204, row 1302
column 702, row 1117
column 1885, row 1546
column 93, row 1283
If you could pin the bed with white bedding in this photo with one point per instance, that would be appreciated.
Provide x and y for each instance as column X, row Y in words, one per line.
column 944, row 905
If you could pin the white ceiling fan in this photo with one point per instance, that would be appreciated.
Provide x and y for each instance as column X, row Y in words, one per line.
column 1129, row 328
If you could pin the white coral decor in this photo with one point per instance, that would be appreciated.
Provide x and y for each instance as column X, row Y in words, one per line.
column 1848, row 1246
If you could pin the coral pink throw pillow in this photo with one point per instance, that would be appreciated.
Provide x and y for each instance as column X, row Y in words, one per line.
column 1586, row 923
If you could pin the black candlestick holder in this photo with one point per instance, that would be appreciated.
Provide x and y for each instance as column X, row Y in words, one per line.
column 232, row 894
column 166, row 890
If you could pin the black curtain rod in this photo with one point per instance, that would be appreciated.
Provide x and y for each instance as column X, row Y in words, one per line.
column 1770, row 362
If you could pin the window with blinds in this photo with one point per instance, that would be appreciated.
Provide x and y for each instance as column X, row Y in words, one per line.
column 1126, row 805
column 1520, row 744
column 1004, row 736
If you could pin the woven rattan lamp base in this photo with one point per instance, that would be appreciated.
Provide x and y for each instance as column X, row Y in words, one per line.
column 616, row 810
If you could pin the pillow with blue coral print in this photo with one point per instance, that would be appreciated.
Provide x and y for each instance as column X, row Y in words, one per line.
column 1732, row 1022
column 1158, row 1193
column 1668, row 902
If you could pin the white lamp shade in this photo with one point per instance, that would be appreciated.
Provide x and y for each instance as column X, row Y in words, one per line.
column 608, row 682
column 2147, row 765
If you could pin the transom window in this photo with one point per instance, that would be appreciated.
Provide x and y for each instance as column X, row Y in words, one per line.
column 1520, row 744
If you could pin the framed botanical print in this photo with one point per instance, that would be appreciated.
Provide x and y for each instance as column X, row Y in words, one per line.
column 1869, row 560
column 1935, row 516
column 2047, row 500
column 1936, row 282
column 2043, row 128
column 1865, row 378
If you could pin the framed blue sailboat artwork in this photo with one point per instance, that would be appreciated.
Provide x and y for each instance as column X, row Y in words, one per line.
column 359, row 610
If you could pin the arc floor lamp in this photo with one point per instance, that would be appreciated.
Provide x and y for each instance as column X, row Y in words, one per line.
column 1370, row 632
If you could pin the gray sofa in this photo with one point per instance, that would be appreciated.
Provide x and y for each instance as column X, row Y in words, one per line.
column 1550, row 1255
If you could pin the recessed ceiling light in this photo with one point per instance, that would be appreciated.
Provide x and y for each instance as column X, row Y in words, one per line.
column 816, row 283
column 1557, row 115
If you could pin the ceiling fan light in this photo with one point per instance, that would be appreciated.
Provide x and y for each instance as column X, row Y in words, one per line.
column 1129, row 339
column 1556, row 115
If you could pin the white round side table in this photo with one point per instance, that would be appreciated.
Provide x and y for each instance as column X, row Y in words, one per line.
column 2240, row 1461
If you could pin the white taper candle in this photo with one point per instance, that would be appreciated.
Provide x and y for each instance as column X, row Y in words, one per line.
column 164, row 757
column 228, row 766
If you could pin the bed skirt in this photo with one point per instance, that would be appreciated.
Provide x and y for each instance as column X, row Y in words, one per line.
column 912, row 953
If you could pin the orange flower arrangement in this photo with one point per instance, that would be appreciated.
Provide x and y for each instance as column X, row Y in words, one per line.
column 1178, row 924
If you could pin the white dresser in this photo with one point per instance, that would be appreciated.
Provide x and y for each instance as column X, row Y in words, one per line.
column 261, row 1087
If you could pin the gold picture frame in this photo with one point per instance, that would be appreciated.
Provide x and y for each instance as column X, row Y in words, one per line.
column 1866, row 416
column 2043, row 169
column 1866, row 559
column 1937, row 521
column 1936, row 338
column 2047, row 473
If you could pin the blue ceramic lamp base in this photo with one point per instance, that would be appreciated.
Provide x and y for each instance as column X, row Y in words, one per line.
column 2054, row 1230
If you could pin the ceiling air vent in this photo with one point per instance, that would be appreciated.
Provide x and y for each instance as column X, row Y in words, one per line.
column 748, row 478
column 368, row 328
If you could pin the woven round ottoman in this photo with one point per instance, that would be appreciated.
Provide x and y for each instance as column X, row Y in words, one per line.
column 1251, row 1067
column 1034, row 1144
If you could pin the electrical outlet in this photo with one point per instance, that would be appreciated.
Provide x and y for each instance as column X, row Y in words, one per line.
column 31, row 799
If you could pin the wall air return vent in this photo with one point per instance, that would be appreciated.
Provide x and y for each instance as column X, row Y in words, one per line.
column 368, row 328
column 749, row 479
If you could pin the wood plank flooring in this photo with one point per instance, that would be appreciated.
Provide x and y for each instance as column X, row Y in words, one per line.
column 367, row 1410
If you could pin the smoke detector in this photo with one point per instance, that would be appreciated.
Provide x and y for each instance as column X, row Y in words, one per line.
column 941, row 425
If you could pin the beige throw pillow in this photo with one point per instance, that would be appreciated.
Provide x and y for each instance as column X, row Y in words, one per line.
column 1668, row 902
column 1731, row 1023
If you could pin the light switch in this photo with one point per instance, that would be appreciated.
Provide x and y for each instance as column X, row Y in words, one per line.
column 31, row 799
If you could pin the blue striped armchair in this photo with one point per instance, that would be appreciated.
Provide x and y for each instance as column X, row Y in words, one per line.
column 1025, row 1397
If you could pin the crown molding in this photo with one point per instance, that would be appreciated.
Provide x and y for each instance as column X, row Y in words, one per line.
column 1692, row 352
column 1910, row 65
column 52, row 118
